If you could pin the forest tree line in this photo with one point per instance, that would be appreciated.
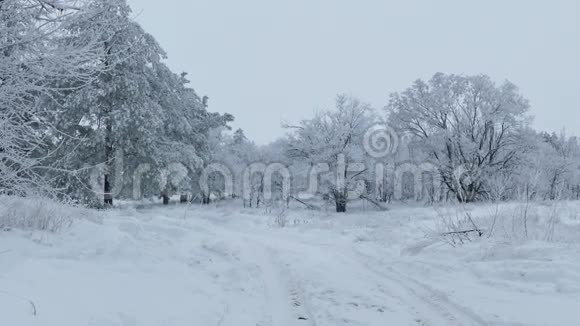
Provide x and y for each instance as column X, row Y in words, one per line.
column 81, row 82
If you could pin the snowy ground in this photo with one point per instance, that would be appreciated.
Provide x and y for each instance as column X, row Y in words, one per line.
column 223, row 265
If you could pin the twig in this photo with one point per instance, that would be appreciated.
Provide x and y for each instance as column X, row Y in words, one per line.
column 359, row 173
column 30, row 302
column 475, row 227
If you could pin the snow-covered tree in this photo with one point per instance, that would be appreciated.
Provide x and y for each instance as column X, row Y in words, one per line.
column 230, row 156
column 40, row 47
column 117, row 110
column 334, row 138
column 135, row 119
column 470, row 127
column 187, row 136
column 550, row 169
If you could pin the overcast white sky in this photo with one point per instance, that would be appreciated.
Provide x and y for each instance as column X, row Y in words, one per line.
column 266, row 61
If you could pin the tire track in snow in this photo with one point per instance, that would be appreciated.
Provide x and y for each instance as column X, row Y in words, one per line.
column 362, row 296
column 423, row 304
column 427, row 302
column 283, row 303
column 439, row 301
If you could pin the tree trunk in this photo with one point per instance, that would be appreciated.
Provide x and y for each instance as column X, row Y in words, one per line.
column 340, row 201
column 340, row 206
column 108, row 120
column 108, row 197
column 108, row 194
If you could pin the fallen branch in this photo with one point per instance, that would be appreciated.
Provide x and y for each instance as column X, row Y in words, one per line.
column 374, row 202
column 479, row 232
column 475, row 228
column 309, row 206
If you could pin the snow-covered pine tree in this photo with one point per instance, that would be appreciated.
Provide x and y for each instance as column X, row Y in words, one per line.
column 39, row 48
column 135, row 113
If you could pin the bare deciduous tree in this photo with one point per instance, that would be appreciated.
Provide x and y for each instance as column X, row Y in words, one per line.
column 468, row 125
column 335, row 138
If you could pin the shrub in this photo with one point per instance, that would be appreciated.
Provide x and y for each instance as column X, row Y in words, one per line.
column 37, row 213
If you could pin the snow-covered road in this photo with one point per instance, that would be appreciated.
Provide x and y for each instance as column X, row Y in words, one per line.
column 322, row 284
column 200, row 266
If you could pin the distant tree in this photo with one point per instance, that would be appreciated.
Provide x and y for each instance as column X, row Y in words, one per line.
column 552, row 163
column 234, row 152
column 239, row 137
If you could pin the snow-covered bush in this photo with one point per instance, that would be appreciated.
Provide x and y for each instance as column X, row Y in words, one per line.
column 550, row 221
column 457, row 227
column 538, row 221
column 39, row 213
